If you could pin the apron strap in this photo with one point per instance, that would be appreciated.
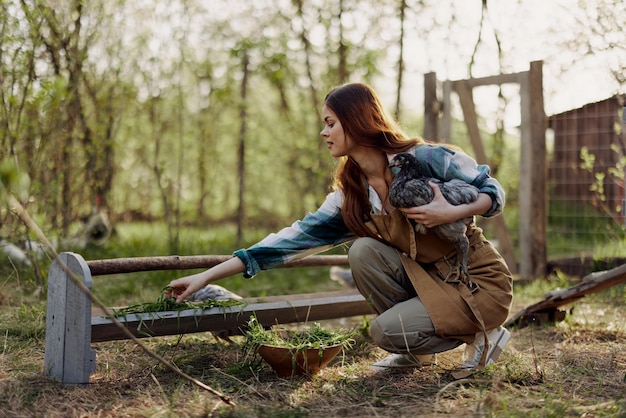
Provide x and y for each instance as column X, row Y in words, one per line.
column 468, row 296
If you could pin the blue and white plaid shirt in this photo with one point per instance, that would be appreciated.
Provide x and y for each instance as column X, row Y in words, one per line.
column 325, row 228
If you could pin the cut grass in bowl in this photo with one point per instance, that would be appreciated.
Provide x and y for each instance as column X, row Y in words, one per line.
column 295, row 352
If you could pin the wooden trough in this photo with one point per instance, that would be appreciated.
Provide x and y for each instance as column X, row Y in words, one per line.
column 72, row 326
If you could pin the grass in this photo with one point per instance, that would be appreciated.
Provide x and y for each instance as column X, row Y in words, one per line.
column 576, row 367
column 164, row 303
column 573, row 230
column 312, row 336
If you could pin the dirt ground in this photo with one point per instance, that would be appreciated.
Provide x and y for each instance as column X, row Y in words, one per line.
column 575, row 368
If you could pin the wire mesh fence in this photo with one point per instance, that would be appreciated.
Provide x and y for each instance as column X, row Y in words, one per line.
column 586, row 179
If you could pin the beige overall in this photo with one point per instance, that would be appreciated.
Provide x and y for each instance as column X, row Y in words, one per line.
column 456, row 311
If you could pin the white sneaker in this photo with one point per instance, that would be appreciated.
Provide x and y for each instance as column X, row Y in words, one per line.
column 498, row 337
column 405, row 360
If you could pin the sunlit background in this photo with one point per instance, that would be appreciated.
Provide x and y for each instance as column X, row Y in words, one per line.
column 207, row 112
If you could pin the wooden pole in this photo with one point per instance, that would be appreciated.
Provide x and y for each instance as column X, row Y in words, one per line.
column 471, row 121
column 533, row 174
column 175, row 262
column 446, row 116
column 431, row 107
column 466, row 99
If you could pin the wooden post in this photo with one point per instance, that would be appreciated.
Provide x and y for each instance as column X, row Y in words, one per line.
column 446, row 117
column 533, row 174
column 68, row 355
column 431, row 108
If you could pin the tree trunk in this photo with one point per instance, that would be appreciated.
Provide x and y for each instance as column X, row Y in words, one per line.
column 400, row 59
column 342, row 68
column 242, row 144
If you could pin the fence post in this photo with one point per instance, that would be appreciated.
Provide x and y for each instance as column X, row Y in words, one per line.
column 68, row 355
column 532, row 184
column 431, row 108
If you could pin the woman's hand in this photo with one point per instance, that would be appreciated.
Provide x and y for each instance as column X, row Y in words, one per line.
column 185, row 286
column 439, row 211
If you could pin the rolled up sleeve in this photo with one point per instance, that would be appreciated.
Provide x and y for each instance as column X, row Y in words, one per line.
column 315, row 233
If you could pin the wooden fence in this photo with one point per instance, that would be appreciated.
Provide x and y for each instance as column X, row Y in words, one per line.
column 72, row 326
column 532, row 258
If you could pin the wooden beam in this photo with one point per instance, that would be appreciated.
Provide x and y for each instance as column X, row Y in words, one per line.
column 269, row 311
column 592, row 283
column 175, row 262
column 446, row 117
column 466, row 99
column 494, row 79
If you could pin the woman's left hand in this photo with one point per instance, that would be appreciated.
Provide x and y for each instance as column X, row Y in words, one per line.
column 439, row 211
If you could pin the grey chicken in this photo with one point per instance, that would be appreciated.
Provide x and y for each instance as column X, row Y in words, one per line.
column 216, row 292
column 410, row 188
column 213, row 291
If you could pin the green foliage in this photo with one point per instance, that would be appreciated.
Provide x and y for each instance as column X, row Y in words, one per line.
column 158, row 141
column 13, row 180
column 27, row 322
column 572, row 230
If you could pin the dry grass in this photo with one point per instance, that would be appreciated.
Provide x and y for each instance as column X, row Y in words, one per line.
column 575, row 368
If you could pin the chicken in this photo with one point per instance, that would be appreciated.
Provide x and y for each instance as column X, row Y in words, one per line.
column 216, row 292
column 411, row 188
column 213, row 291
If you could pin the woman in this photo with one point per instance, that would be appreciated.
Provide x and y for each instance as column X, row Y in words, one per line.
column 401, row 273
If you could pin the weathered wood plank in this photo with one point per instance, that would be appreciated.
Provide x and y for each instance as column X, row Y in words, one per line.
column 446, row 115
column 55, row 320
column 432, row 107
column 494, row 79
column 269, row 311
column 592, row 283
column 68, row 355
column 175, row 262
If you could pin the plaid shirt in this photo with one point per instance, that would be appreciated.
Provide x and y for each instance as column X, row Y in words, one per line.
column 325, row 228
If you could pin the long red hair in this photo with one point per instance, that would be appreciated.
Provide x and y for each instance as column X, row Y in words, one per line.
column 364, row 120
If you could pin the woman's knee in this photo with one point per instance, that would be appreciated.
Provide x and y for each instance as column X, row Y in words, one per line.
column 361, row 248
column 390, row 336
column 377, row 334
column 369, row 253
